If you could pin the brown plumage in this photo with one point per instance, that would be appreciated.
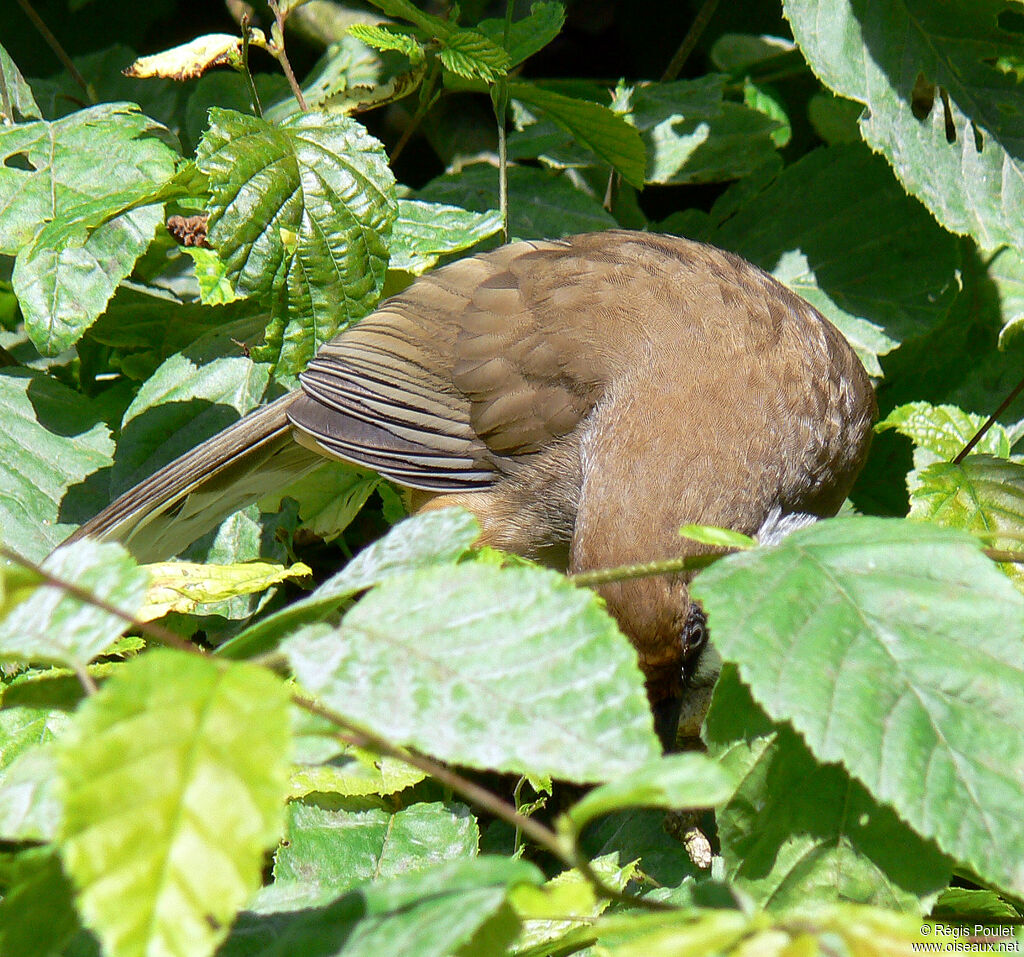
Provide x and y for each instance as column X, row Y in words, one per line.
column 584, row 397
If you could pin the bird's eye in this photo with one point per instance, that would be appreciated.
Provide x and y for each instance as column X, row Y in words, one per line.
column 695, row 632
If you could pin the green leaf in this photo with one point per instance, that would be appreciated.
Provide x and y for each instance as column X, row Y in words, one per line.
column 962, row 904
column 595, row 126
column 983, row 495
column 184, row 587
column 430, row 913
column 381, row 38
column 36, row 914
column 447, row 660
column 438, row 537
column 340, row 849
column 671, row 782
column 65, row 276
column 694, row 135
column 50, row 168
column 815, row 227
column 470, row 54
column 944, row 430
column 816, row 622
column 329, row 498
column 201, row 750
column 542, row 204
column 182, row 403
column 426, row 231
column 796, row 830
column 528, row 35
column 348, row 771
column 1006, row 270
column 17, row 93
column 50, row 439
column 301, row 215
column 215, row 288
column 57, row 627
column 947, row 119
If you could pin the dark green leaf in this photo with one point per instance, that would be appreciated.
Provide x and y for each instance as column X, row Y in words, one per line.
column 528, row 35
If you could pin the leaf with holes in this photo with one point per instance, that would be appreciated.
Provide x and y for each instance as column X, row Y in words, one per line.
column 513, row 669
column 941, row 110
column 201, row 749
column 301, row 215
column 894, row 648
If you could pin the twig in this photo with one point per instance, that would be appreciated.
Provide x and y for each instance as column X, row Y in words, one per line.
column 667, row 566
column 156, row 632
column 481, row 797
column 55, row 45
column 253, row 94
column 1001, row 555
column 980, row 434
column 278, row 52
column 698, row 26
column 427, row 99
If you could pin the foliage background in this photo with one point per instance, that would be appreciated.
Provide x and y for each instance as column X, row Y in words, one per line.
column 863, row 754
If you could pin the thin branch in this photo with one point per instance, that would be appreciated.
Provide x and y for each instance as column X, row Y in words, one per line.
column 1001, row 555
column 278, row 52
column 698, row 26
column 55, row 45
column 156, row 632
column 427, row 99
column 542, row 836
column 980, row 434
column 254, row 96
column 667, row 566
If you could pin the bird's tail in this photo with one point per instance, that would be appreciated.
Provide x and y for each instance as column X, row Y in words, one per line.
column 176, row 505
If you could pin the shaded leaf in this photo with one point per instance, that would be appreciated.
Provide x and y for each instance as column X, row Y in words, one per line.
column 329, row 498
column 529, row 34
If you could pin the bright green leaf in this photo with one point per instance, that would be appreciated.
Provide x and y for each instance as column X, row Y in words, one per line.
column 381, row 38
column 426, row 231
column 720, row 537
column 528, row 35
column 944, row 430
column 175, row 777
column 329, row 498
column 470, row 54
column 215, row 288
column 23, row 105
column 447, row 660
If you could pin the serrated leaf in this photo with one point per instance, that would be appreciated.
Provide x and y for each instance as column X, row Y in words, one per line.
column 57, row 627
column 50, row 439
column 947, row 118
column 944, row 430
column 341, row 849
column 446, row 660
column 192, row 59
column 18, row 94
column 426, row 231
column 50, row 167
column 606, row 133
column 381, row 38
column 202, row 751
column 528, row 35
column 301, row 214
column 215, row 288
column 438, row 537
column 185, row 586
column 894, row 648
column 815, row 227
column 471, row 55
column 353, row 773
column 329, row 498
column 692, row 134
column 542, row 204
column 983, row 495
column 797, row 830
column 670, row 782
column 432, row 913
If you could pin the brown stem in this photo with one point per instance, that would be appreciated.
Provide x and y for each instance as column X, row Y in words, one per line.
column 542, row 836
column 254, row 96
column 55, row 45
column 980, row 434
column 279, row 54
column 156, row 632
column 698, row 26
column 1001, row 555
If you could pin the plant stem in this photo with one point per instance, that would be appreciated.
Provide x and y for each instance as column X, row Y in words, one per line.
column 278, row 51
column 698, row 26
column 666, row 566
column 254, row 96
column 60, row 52
column 427, row 99
column 980, row 434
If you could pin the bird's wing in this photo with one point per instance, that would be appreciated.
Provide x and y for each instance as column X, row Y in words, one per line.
column 477, row 362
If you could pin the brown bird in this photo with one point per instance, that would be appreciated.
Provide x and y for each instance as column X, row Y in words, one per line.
column 583, row 397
